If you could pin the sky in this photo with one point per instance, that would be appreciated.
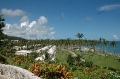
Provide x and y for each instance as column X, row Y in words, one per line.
column 62, row 19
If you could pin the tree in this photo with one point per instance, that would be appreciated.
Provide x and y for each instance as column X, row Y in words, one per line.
column 113, row 43
column 100, row 41
column 106, row 45
column 68, row 42
column 79, row 37
column 1, row 26
column 47, row 56
column 70, row 59
column 94, row 42
column 78, row 59
column 86, row 42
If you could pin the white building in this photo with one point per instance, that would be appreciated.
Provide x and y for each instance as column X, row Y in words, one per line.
column 23, row 52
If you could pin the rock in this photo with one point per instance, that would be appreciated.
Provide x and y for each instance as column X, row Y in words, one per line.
column 4, row 77
column 14, row 72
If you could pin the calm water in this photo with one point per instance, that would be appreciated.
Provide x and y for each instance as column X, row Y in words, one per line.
column 110, row 48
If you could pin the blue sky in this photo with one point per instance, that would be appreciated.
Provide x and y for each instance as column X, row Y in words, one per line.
column 61, row 19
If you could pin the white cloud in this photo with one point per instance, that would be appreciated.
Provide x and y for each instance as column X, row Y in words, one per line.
column 89, row 18
column 115, row 37
column 53, row 37
column 24, row 19
column 24, row 24
column 51, row 33
column 12, row 13
column 51, row 28
column 63, row 15
column 42, row 20
column 32, row 30
column 32, row 24
column 109, row 7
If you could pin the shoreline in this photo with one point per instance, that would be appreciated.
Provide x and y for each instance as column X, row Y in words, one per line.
column 86, row 49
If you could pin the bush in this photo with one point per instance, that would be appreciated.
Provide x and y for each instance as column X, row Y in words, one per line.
column 50, row 71
column 34, row 54
column 78, row 60
column 25, row 66
column 113, row 75
column 88, row 63
column 2, row 59
column 70, row 60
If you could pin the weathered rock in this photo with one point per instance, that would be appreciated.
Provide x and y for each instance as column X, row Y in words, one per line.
column 15, row 72
column 4, row 77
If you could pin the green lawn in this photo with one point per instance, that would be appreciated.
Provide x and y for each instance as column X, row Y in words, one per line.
column 98, row 59
column 108, row 61
column 103, row 61
column 61, row 56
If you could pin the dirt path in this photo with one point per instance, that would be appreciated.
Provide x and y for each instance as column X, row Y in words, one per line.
column 76, row 56
column 73, row 53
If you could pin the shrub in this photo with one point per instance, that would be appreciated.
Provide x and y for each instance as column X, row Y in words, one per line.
column 88, row 63
column 34, row 54
column 78, row 60
column 2, row 59
column 110, row 68
column 50, row 71
column 113, row 75
column 70, row 59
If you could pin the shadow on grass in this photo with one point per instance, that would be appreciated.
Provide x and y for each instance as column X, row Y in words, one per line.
column 118, row 60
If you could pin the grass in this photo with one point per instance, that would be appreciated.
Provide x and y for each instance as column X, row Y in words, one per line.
column 100, row 59
column 61, row 56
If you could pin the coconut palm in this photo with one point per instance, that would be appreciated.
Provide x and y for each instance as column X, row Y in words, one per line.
column 106, row 45
column 86, row 42
column 100, row 41
column 94, row 42
column 68, row 42
column 113, row 43
column 79, row 37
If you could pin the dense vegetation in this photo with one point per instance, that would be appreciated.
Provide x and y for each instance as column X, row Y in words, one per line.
column 69, row 62
column 12, row 37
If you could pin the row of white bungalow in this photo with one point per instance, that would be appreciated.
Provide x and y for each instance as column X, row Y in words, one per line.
column 51, row 51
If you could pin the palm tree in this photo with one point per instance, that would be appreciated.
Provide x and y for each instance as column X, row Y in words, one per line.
column 106, row 45
column 79, row 37
column 68, row 42
column 113, row 43
column 94, row 42
column 100, row 42
column 86, row 42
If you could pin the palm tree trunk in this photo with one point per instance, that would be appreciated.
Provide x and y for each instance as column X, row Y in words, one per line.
column 114, row 51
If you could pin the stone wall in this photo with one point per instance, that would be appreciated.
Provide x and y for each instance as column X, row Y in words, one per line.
column 16, row 72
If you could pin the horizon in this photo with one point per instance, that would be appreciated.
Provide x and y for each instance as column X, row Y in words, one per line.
column 66, row 39
column 62, row 19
